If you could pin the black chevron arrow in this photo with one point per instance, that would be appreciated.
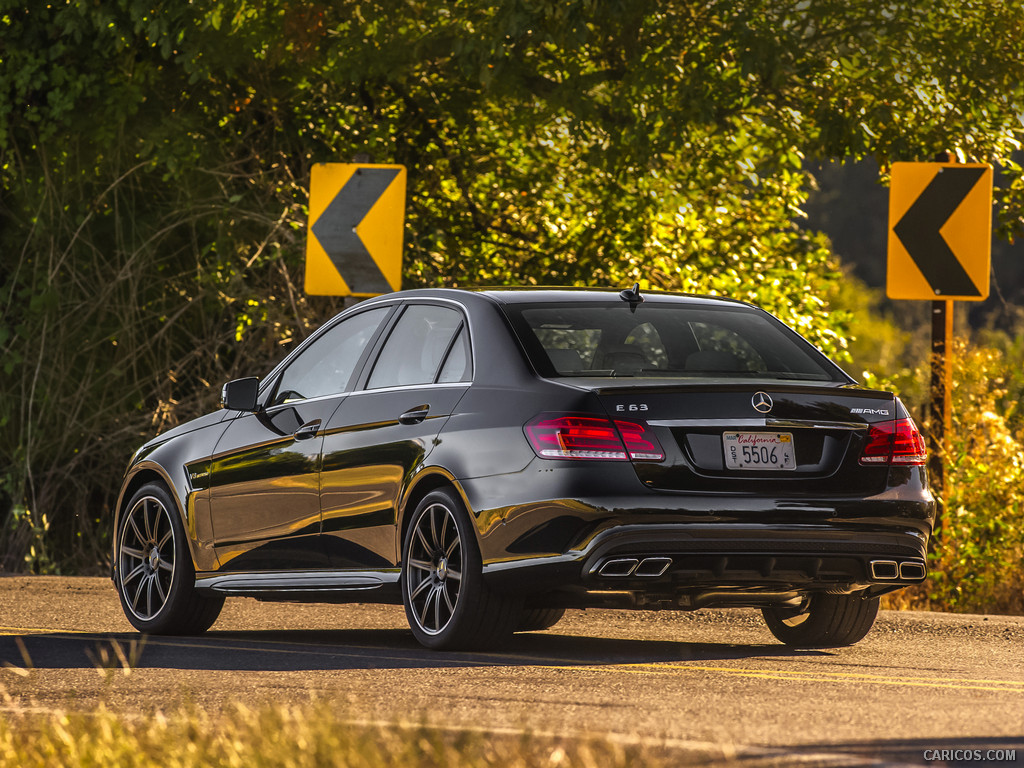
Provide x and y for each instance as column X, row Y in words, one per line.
column 918, row 230
column 336, row 229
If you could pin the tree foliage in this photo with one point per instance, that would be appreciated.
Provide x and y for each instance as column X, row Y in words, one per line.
column 977, row 553
column 155, row 160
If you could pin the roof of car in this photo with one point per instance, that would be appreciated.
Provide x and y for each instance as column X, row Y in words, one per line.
column 544, row 294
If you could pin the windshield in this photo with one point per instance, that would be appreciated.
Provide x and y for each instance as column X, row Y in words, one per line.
column 665, row 340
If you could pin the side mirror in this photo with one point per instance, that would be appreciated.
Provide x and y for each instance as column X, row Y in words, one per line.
column 240, row 394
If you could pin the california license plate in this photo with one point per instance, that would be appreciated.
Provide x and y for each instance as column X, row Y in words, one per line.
column 759, row 450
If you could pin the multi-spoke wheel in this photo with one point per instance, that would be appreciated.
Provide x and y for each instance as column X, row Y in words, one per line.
column 823, row 621
column 446, row 600
column 146, row 557
column 154, row 574
column 434, row 568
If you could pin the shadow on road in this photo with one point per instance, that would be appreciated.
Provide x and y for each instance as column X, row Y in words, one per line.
column 933, row 752
column 298, row 650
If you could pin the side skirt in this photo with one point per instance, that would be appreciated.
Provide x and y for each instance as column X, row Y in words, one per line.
column 307, row 586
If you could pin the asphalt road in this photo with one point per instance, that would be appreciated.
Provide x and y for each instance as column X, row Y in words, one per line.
column 710, row 685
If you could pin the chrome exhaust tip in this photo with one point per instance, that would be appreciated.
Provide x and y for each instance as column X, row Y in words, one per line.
column 621, row 566
column 913, row 571
column 885, row 570
column 653, row 566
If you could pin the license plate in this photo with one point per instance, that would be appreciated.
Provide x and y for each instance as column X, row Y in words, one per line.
column 759, row 450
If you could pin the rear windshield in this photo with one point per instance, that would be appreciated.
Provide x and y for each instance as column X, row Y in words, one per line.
column 665, row 340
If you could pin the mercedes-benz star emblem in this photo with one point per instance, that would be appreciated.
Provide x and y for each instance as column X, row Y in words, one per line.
column 762, row 402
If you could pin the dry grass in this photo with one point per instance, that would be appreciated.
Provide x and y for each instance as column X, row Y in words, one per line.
column 287, row 737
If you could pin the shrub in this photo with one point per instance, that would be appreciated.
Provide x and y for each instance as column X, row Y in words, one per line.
column 978, row 550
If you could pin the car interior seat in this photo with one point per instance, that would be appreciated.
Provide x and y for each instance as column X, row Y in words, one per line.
column 565, row 360
column 713, row 360
column 621, row 358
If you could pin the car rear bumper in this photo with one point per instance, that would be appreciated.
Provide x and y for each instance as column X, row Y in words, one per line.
column 677, row 559
column 681, row 550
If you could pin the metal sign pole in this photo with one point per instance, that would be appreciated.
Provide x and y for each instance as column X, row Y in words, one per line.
column 941, row 415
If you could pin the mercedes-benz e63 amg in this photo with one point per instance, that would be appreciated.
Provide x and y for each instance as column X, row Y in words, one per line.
column 490, row 458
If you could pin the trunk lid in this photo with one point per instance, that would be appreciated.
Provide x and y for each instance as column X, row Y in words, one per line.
column 754, row 436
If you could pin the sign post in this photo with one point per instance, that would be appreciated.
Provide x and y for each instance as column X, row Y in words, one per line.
column 356, row 224
column 940, row 413
column 940, row 239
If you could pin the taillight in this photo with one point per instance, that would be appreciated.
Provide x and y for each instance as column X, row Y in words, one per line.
column 566, row 436
column 640, row 442
column 894, row 442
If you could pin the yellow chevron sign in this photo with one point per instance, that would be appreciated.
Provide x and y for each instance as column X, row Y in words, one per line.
column 940, row 231
column 356, row 227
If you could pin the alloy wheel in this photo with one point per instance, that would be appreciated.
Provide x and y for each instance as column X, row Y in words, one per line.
column 146, row 557
column 434, row 568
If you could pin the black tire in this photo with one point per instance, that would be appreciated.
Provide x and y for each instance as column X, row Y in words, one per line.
column 825, row 621
column 447, row 603
column 536, row 619
column 154, row 575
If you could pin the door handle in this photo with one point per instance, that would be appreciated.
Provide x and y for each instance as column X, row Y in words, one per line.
column 414, row 415
column 307, row 430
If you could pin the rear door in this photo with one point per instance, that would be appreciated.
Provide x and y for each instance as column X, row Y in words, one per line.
column 386, row 428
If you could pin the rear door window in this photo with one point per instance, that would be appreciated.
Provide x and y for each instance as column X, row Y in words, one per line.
column 458, row 365
column 418, row 346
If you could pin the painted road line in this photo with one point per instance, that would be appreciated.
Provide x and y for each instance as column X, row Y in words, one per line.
column 491, row 660
column 9, row 631
column 1002, row 686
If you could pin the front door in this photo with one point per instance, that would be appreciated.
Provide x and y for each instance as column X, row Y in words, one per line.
column 265, row 493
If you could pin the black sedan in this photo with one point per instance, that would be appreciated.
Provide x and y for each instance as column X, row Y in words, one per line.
column 491, row 458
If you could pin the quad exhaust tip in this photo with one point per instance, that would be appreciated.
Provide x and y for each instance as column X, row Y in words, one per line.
column 653, row 566
column 648, row 567
column 885, row 570
column 622, row 566
column 912, row 571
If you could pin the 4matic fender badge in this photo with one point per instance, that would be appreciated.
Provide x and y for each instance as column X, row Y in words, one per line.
column 762, row 402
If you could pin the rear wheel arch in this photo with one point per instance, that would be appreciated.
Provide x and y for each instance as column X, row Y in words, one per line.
column 427, row 482
column 447, row 602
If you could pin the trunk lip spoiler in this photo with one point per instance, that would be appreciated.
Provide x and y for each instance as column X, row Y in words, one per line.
column 760, row 424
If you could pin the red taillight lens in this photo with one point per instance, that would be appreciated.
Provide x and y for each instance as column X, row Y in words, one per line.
column 556, row 436
column 894, row 442
column 575, row 437
column 908, row 445
column 640, row 442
